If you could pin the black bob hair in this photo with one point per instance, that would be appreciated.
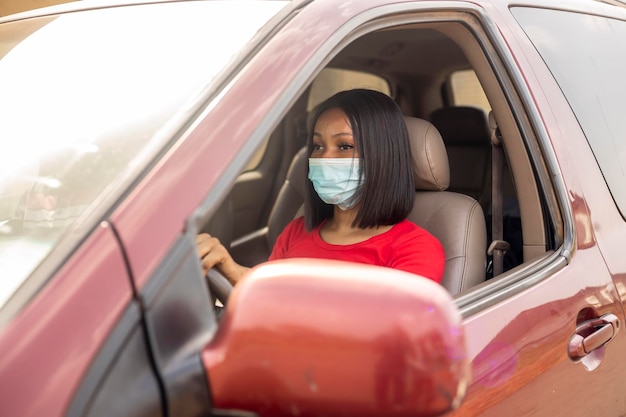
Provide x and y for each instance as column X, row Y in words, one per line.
column 382, row 142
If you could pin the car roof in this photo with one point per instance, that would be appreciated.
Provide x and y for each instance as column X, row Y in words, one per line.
column 82, row 5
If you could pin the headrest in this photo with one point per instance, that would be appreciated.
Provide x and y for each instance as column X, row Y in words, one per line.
column 462, row 125
column 429, row 154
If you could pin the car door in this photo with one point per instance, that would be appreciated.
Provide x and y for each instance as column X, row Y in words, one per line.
column 532, row 338
column 583, row 73
column 76, row 346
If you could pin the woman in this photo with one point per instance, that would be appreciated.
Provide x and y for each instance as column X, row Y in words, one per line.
column 360, row 190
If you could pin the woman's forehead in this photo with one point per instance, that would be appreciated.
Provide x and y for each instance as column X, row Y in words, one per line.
column 333, row 119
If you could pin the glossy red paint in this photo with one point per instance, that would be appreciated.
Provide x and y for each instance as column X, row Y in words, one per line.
column 280, row 361
column 600, row 222
column 505, row 360
column 523, row 339
column 46, row 350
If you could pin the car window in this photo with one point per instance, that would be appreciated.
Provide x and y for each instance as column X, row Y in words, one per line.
column 81, row 104
column 587, row 56
column 327, row 83
column 466, row 90
column 333, row 80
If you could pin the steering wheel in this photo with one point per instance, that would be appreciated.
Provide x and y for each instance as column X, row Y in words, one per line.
column 220, row 288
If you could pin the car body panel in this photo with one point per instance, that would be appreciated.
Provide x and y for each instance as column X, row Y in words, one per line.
column 524, row 342
column 526, row 338
column 578, row 164
column 49, row 346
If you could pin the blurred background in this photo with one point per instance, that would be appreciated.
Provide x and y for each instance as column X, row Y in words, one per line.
column 11, row 6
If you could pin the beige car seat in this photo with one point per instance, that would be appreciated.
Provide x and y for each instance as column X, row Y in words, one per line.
column 290, row 197
column 256, row 247
column 457, row 220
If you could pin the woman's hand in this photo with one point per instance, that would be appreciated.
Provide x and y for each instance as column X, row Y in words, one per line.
column 214, row 255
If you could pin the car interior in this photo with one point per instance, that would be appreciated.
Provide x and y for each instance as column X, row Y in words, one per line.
column 481, row 183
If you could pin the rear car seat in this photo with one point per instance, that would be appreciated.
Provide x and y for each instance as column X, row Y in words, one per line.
column 466, row 135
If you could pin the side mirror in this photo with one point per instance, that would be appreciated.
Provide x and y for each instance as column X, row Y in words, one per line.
column 307, row 337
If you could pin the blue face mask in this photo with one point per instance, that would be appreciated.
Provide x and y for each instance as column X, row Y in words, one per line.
column 336, row 180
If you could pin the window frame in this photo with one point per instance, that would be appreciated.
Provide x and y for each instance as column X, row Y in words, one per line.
column 519, row 118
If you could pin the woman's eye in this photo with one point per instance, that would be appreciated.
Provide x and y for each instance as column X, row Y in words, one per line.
column 317, row 147
column 346, row 146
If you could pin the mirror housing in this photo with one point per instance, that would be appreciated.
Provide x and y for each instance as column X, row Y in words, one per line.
column 319, row 337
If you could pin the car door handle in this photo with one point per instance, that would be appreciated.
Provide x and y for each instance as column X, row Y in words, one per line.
column 592, row 334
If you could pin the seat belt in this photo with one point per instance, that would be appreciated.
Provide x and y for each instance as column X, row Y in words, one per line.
column 498, row 246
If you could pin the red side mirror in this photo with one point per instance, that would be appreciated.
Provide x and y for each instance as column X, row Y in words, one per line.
column 312, row 337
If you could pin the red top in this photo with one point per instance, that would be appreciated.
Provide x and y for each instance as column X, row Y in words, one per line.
column 405, row 246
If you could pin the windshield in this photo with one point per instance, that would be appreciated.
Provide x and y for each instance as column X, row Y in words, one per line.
column 86, row 97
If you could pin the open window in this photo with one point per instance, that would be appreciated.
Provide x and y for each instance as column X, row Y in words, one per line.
column 462, row 73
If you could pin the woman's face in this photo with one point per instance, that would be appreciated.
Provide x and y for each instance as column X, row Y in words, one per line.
column 332, row 136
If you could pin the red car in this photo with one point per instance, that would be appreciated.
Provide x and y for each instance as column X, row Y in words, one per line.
column 127, row 129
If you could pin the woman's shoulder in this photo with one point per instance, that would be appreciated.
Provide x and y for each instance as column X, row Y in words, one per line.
column 406, row 230
column 416, row 250
column 407, row 226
